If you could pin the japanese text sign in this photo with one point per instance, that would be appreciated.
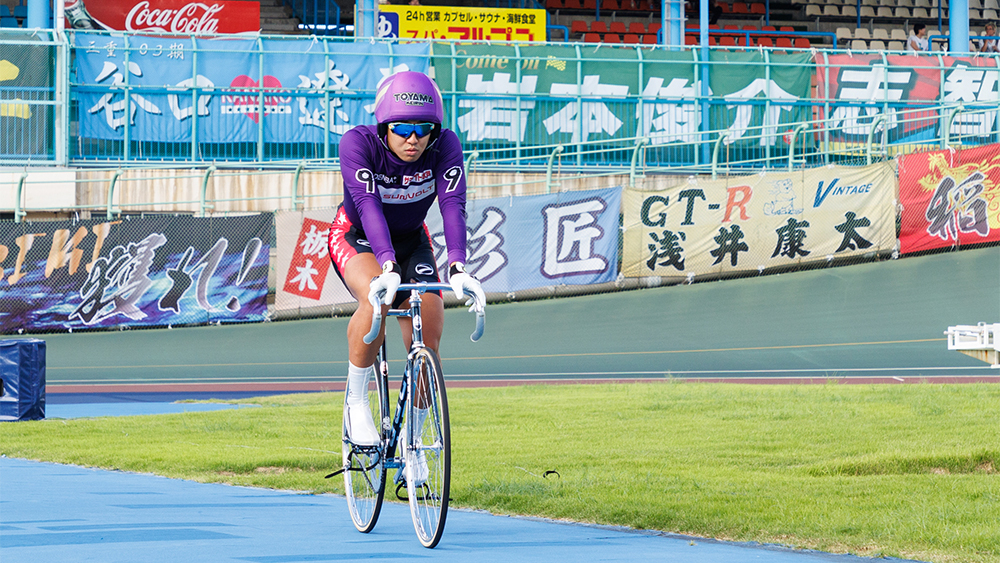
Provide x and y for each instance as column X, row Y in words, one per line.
column 862, row 88
column 514, row 244
column 133, row 271
column 452, row 22
column 752, row 223
column 505, row 93
column 236, row 89
column 949, row 198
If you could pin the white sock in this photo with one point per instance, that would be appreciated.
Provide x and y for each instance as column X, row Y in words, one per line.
column 357, row 384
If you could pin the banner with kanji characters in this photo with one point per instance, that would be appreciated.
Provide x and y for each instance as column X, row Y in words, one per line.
column 862, row 88
column 513, row 244
column 508, row 94
column 237, row 90
column 150, row 271
column 950, row 198
column 759, row 222
column 519, row 243
column 457, row 22
column 305, row 275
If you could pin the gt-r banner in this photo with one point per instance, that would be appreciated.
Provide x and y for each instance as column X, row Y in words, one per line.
column 236, row 89
column 759, row 222
column 190, row 17
column 514, row 244
column 950, row 198
column 153, row 271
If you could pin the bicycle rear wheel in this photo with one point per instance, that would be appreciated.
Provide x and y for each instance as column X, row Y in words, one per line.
column 364, row 478
column 428, row 445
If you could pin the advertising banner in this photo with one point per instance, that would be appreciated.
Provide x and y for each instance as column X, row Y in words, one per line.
column 753, row 223
column 519, row 243
column 27, row 74
column 861, row 88
column 152, row 271
column 513, row 244
column 949, row 198
column 189, row 17
column 287, row 91
column 454, row 22
column 305, row 275
column 503, row 103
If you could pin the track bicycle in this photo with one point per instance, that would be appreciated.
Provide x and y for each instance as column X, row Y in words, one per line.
column 419, row 427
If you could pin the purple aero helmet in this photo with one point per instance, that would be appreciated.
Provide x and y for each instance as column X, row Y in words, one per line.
column 408, row 95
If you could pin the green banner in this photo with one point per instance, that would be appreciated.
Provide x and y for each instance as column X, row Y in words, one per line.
column 505, row 95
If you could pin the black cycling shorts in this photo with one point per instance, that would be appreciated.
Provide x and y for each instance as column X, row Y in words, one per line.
column 414, row 253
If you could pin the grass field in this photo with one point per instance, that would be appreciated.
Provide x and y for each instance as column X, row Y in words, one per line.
column 908, row 471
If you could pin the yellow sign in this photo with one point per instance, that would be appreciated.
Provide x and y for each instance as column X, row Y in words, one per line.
column 16, row 107
column 448, row 22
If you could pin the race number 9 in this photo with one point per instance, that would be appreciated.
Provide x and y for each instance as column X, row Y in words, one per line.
column 453, row 175
column 366, row 177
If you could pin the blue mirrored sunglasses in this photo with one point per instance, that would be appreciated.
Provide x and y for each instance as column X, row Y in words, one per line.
column 404, row 130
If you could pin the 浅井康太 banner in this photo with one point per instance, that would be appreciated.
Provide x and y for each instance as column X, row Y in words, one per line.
column 753, row 223
column 455, row 22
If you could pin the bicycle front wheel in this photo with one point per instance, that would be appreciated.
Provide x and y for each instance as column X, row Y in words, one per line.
column 365, row 471
column 428, row 448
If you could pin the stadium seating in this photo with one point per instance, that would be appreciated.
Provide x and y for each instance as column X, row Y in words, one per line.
column 617, row 27
column 631, row 38
column 598, row 26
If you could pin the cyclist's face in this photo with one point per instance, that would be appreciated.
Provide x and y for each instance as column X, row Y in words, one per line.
column 408, row 149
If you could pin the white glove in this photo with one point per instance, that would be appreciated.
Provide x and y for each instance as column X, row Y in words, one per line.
column 461, row 281
column 387, row 282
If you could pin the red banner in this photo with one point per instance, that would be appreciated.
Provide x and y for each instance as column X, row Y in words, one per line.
column 859, row 87
column 307, row 271
column 950, row 198
column 189, row 17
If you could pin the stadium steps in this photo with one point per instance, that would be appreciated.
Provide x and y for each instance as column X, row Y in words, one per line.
column 276, row 18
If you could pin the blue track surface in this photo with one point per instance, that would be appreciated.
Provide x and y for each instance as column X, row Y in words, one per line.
column 54, row 512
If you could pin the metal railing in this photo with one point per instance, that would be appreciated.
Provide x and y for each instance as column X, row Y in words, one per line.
column 682, row 124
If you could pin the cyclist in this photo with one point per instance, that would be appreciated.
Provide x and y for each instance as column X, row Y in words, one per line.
column 392, row 173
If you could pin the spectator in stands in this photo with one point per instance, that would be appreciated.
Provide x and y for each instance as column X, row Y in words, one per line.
column 918, row 39
column 988, row 45
column 693, row 11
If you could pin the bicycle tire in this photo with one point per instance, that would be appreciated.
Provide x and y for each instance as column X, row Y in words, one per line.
column 364, row 479
column 428, row 501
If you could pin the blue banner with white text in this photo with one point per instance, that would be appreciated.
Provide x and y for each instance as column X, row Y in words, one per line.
column 237, row 90
column 529, row 242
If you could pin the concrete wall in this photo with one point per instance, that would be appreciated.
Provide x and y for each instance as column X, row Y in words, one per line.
column 179, row 190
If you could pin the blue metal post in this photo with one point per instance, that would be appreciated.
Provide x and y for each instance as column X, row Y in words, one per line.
column 703, row 68
column 365, row 19
column 676, row 22
column 38, row 14
column 958, row 26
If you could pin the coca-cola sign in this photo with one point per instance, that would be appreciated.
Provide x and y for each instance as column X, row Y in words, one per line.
column 188, row 17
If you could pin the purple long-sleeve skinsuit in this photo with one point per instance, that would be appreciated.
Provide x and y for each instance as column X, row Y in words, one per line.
column 387, row 197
